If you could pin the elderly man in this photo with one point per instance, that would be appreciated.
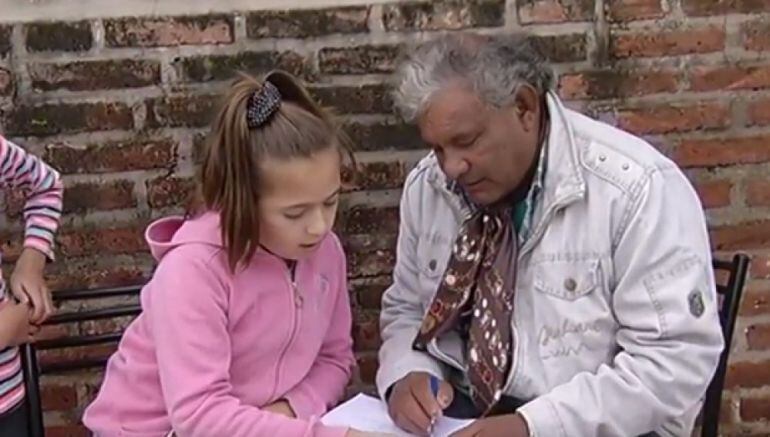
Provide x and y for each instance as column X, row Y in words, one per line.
column 553, row 273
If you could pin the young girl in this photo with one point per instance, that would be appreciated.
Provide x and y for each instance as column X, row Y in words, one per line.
column 245, row 329
column 29, row 302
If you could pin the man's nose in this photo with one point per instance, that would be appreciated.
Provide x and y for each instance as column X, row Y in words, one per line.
column 455, row 166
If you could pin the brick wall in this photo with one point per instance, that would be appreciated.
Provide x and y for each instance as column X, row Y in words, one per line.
column 119, row 105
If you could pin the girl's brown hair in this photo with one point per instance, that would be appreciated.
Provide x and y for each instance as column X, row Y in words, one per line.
column 229, row 180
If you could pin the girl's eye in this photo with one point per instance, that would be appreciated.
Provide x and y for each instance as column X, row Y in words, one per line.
column 330, row 203
column 292, row 215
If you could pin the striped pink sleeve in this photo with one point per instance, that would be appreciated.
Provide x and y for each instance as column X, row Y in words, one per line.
column 43, row 190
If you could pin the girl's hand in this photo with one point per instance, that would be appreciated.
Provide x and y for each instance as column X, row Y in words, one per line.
column 28, row 285
column 15, row 328
column 280, row 407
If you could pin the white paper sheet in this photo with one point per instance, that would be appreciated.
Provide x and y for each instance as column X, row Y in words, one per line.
column 366, row 413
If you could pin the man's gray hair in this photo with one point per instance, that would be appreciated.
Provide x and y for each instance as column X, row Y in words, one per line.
column 493, row 65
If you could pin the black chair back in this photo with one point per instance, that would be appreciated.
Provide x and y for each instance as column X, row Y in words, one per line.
column 730, row 292
column 33, row 368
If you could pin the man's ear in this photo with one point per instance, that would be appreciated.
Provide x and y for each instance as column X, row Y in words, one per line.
column 527, row 107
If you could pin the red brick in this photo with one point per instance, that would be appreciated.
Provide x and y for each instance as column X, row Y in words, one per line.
column 95, row 75
column 109, row 157
column 630, row 10
column 173, row 31
column 571, row 47
column 6, row 82
column 674, row 118
column 554, row 11
column 181, row 111
column 367, row 368
column 427, row 16
column 92, row 242
column 374, row 263
column 363, row 99
column 169, row 191
column 51, row 357
column 607, row 84
column 758, row 336
column 752, row 235
column 89, row 276
column 384, row 136
column 748, row 374
column 756, row 296
column 720, row 152
column 759, row 112
column 656, row 43
column 50, row 332
column 374, row 176
column 720, row 7
column 358, row 59
column 758, row 192
column 307, row 23
column 369, row 292
column 729, row 78
column 756, row 35
column 755, row 409
column 58, row 397
column 59, row 36
column 362, row 220
column 11, row 244
column 67, row 431
column 714, row 194
column 760, row 266
column 52, row 119
column 366, row 331
column 224, row 67
column 107, row 326
column 99, row 196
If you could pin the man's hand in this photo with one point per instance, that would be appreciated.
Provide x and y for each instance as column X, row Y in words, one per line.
column 28, row 285
column 280, row 407
column 512, row 425
column 413, row 407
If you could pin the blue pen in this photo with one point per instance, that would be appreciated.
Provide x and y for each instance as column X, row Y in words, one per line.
column 434, row 385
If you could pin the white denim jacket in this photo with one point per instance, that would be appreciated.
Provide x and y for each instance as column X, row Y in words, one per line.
column 615, row 314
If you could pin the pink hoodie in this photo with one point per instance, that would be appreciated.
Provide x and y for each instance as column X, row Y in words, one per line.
column 211, row 347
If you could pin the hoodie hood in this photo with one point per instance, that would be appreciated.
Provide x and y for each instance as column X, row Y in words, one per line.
column 169, row 232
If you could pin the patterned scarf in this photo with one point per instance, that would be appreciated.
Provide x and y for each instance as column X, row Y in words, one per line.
column 479, row 281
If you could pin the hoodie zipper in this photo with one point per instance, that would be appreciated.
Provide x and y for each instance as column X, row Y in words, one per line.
column 296, row 312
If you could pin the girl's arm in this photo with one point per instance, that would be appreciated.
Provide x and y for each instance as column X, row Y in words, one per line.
column 42, row 189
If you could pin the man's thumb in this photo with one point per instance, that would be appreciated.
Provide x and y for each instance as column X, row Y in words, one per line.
column 445, row 394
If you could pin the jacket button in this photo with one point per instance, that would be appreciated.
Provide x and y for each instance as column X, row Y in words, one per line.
column 570, row 284
column 432, row 264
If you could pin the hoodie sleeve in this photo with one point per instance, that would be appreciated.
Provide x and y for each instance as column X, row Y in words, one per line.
column 188, row 311
column 325, row 383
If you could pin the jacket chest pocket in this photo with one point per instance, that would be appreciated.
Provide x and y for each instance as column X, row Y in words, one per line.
column 568, row 281
column 433, row 252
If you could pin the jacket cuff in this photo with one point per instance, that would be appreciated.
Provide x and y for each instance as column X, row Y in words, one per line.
column 542, row 418
column 414, row 362
column 302, row 404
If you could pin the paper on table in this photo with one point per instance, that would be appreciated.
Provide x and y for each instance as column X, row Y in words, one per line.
column 366, row 413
